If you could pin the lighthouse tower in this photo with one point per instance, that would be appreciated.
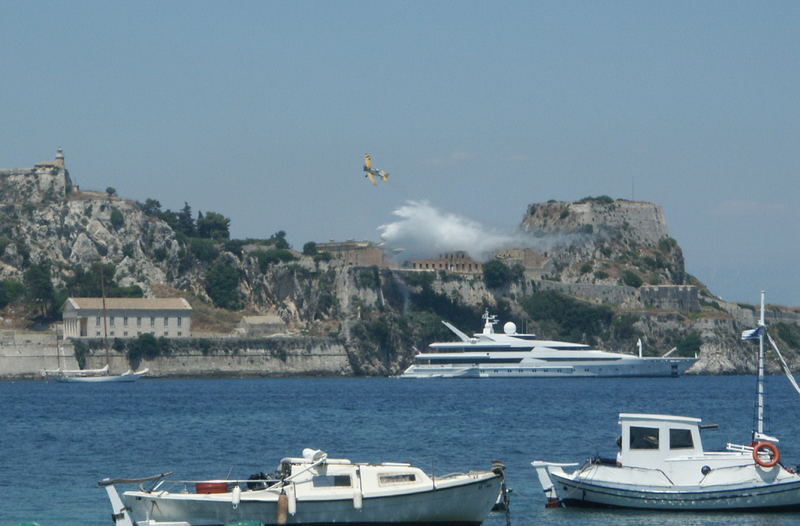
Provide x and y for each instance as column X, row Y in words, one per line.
column 59, row 158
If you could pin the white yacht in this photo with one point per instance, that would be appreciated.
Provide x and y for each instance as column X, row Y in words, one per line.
column 513, row 355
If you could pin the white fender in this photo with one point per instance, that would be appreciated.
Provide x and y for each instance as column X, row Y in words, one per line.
column 290, row 492
column 236, row 496
column 358, row 495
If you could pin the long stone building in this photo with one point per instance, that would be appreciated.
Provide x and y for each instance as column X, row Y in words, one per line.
column 127, row 317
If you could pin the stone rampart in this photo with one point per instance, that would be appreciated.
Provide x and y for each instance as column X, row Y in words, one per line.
column 26, row 356
column 618, row 295
column 670, row 297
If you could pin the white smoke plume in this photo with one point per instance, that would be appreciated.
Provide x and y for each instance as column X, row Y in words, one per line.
column 423, row 231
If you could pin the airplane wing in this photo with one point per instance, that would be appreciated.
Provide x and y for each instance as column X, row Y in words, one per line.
column 372, row 177
column 384, row 176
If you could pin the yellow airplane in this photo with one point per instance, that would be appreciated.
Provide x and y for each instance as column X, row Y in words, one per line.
column 372, row 172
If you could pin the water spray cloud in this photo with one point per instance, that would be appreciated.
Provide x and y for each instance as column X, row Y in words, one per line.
column 423, row 231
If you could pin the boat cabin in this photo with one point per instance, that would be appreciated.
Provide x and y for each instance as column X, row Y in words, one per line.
column 649, row 440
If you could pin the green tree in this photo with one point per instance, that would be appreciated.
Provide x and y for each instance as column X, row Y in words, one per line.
column 497, row 274
column 39, row 286
column 151, row 207
column 631, row 278
column 279, row 240
column 266, row 258
column 222, row 282
column 203, row 249
column 310, row 249
column 213, row 226
column 185, row 221
column 567, row 317
column 111, row 191
column 117, row 219
column 10, row 291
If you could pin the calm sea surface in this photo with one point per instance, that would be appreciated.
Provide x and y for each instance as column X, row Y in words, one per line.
column 58, row 440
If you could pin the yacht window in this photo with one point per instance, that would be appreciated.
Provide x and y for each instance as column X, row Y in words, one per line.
column 327, row 481
column 680, row 438
column 400, row 478
column 644, row 438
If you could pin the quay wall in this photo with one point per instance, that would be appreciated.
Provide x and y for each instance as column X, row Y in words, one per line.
column 24, row 355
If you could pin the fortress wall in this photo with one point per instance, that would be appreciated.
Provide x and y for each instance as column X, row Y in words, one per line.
column 26, row 356
column 618, row 295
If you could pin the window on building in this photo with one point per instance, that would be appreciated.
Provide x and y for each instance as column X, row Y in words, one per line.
column 125, row 333
column 125, row 321
column 152, row 322
column 179, row 321
column 111, row 321
column 644, row 438
column 180, row 333
column 97, row 333
column 166, row 321
column 138, row 321
column 97, row 322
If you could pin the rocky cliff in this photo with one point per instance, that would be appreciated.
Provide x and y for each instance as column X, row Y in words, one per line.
column 609, row 265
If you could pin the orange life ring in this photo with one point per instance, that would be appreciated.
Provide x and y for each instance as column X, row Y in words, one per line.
column 776, row 454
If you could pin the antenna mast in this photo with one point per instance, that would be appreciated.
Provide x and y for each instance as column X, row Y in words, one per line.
column 760, row 387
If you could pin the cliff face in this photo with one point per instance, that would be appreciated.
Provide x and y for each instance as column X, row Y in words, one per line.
column 622, row 275
column 599, row 240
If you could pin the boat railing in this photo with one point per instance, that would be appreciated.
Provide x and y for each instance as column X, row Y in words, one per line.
column 739, row 448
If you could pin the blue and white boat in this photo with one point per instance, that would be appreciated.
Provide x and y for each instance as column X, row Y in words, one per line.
column 662, row 465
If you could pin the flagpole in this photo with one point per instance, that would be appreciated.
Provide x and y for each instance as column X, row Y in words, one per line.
column 760, row 389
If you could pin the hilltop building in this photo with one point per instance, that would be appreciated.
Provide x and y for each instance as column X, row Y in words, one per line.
column 355, row 253
column 457, row 262
column 46, row 181
column 670, row 297
column 127, row 317
column 532, row 261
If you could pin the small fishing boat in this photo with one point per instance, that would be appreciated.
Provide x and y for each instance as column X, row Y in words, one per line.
column 662, row 465
column 312, row 489
column 92, row 375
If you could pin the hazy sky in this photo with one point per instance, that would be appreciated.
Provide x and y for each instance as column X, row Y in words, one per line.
column 262, row 111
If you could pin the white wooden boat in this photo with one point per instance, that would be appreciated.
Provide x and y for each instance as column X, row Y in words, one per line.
column 313, row 489
column 127, row 376
column 662, row 465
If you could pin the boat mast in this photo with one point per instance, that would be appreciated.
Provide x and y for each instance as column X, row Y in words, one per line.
column 105, row 315
column 760, row 387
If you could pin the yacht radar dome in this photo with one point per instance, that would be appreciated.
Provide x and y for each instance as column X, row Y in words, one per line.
column 510, row 328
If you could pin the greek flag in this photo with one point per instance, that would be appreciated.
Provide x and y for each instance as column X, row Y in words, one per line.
column 752, row 334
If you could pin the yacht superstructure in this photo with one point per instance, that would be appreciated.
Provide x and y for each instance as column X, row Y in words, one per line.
column 514, row 355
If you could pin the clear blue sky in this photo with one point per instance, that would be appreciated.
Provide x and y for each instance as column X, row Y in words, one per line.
column 262, row 110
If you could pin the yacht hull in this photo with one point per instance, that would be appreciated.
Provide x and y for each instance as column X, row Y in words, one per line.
column 636, row 367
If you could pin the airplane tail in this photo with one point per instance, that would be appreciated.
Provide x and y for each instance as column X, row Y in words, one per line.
column 384, row 175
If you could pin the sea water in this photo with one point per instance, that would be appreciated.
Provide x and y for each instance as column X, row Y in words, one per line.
column 58, row 440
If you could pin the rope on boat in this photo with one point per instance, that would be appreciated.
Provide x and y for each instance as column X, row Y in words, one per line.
column 784, row 365
column 500, row 468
